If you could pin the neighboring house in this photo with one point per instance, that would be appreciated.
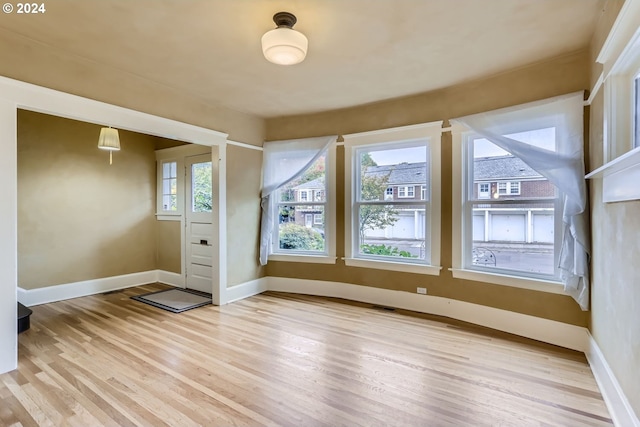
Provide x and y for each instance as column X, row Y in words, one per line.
column 405, row 181
column 509, row 178
column 310, row 191
column 496, row 178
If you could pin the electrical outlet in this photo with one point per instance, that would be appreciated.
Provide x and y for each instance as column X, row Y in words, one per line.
column 422, row 291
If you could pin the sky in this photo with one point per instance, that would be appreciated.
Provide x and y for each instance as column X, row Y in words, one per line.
column 544, row 138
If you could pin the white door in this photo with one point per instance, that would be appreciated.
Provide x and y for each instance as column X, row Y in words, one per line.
column 198, row 224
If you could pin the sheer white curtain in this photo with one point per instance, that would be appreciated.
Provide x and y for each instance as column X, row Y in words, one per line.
column 564, row 167
column 284, row 161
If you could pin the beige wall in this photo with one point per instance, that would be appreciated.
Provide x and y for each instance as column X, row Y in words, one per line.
column 615, row 287
column 78, row 217
column 244, row 173
column 169, row 246
column 559, row 76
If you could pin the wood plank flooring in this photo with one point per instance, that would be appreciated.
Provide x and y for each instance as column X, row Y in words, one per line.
column 284, row 360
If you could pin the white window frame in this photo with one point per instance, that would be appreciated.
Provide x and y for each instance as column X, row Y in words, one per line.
column 423, row 192
column 163, row 179
column 317, row 219
column 406, row 192
column 621, row 63
column 174, row 154
column 328, row 256
column 509, row 187
column 514, row 188
column 428, row 131
column 462, row 211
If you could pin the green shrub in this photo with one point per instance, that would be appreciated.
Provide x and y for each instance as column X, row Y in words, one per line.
column 384, row 251
column 295, row 236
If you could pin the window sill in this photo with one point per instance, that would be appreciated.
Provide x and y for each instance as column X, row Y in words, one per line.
column 507, row 280
column 393, row 266
column 168, row 217
column 620, row 177
column 311, row 259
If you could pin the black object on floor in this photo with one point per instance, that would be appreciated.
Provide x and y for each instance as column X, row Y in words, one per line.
column 175, row 300
column 24, row 321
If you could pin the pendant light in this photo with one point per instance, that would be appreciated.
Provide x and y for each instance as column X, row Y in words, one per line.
column 109, row 140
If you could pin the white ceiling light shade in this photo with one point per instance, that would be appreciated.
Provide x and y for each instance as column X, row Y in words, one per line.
column 284, row 45
column 109, row 140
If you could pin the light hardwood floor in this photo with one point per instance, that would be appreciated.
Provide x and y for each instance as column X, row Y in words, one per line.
column 285, row 360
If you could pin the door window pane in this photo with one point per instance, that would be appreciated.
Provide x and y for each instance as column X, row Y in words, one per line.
column 201, row 187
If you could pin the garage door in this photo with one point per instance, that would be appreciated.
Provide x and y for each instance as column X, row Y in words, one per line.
column 508, row 227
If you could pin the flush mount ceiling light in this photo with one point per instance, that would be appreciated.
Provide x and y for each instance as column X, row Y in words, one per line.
column 284, row 45
column 109, row 140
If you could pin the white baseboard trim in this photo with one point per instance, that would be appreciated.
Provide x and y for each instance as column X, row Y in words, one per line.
column 31, row 297
column 170, row 278
column 549, row 331
column 621, row 411
column 245, row 290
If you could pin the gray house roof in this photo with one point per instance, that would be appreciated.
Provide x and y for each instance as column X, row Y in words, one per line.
column 316, row 184
column 502, row 168
column 404, row 173
column 486, row 169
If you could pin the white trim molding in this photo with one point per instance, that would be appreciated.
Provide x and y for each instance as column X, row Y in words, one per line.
column 618, row 405
column 246, row 290
column 31, row 297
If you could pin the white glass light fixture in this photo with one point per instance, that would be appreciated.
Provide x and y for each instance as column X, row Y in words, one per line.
column 284, row 45
column 109, row 140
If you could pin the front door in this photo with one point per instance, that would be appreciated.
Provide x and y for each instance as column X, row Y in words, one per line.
column 198, row 224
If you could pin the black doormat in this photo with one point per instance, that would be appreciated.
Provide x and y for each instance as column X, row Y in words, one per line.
column 175, row 300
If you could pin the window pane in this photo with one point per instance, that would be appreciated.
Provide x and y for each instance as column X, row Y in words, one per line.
column 166, row 170
column 301, row 228
column 514, row 236
column 201, row 187
column 405, row 168
column 169, row 202
column 308, row 187
column 174, row 172
column 392, row 231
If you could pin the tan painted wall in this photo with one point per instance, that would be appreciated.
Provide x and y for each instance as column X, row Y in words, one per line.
column 169, row 246
column 244, row 174
column 615, row 287
column 558, row 76
column 78, row 217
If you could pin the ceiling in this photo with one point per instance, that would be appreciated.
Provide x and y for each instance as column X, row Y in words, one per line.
column 360, row 51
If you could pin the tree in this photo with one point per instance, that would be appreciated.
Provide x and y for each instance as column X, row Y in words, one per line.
column 202, row 196
column 374, row 187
